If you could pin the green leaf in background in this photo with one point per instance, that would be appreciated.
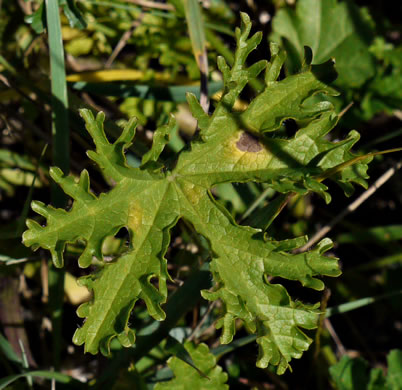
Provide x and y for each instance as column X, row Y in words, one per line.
column 16, row 170
column 8, row 351
column 38, row 19
column 148, row 201
column 178, row 5
column 73, row 14
column 186, row 377
column 394, row 376
column 332, row 29
column 381, row 234
column 174, row 93
column 178, row 350
column 352, row 374
column 385, row 90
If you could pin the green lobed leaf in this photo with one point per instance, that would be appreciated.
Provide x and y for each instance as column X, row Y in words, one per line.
column 394, row 377
column 37, row 19
column 149, row 200
column 186, row 377
column 385, row 90
column 333, row 29
column 352, row 374
column 73, row 14
column 174, row 347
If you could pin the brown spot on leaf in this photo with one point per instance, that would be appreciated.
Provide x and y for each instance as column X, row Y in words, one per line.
column 248, row 143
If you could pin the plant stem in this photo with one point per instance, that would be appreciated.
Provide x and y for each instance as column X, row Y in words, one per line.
column 352, row 206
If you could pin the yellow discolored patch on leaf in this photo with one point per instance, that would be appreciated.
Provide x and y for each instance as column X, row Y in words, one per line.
column 192, row 192
column 134, row 220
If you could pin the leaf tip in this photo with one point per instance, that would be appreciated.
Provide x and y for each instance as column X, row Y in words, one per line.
column 57, row 257
column 79, row 337
column 40, row 208
column 86, row 114
column 83, row 310
column 56, row 174
column 100, row 117
column 245, row 18
column 128, row 132
column 325, row 245
column 127, row 337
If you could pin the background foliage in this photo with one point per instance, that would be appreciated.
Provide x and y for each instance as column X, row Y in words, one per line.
column 148, row 78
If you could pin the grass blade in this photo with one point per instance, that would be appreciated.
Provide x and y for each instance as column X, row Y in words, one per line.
column 8, row 351
column 345, row 307
column 25, row 210
column 60, row 156
column 196, row 31
column 60, row 128
column 62, row 378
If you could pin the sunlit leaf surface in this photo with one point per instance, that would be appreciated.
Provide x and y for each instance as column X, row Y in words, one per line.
column 149, row 200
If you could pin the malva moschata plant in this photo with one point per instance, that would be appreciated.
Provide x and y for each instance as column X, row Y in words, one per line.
column 230, row 147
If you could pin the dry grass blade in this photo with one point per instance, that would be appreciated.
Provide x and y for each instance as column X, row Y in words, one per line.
column 352, row 206
column 123, row 40
column 151, row 4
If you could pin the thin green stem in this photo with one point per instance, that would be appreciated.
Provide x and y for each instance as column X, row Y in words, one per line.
column 345, row 307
